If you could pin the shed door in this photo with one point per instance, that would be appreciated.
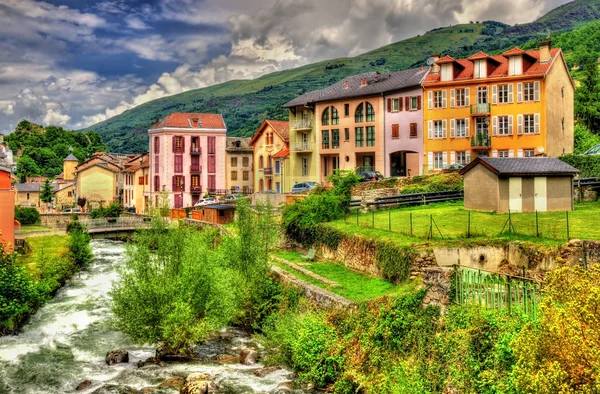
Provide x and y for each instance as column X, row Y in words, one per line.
column 541, row 194
column 515, row 191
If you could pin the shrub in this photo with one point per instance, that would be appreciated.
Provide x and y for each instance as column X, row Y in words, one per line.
column 588, row 165
column 79, row 246
column 27, row 215
column 395, row 261
column 114, row 210
column 584, row 139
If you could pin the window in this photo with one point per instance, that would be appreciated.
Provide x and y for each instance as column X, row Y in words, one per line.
column 335, row 139
column 528, row 91
column 529, row 153
column 325, row 162
column 178, row 183
column 359, row 114
column 146, row 179
column 515, row 65
column 437, row 99
column 346, row 134
column 261, row 161
column 178, row 163
column 358, row 137
column 156, row 145
column 234, row 175
column 277, row 167
column 195, row 183
column 503, row 153
column 335, row 163
column 325, row 117
column 414, row 103
column 461, row 97
column 503, row 94
column 461, row 157
column 482, row 95
column 212, row 182
column 395, row 104
column 211, row 164
column 245, row 175
column 156, row 183
column 370, row 113
column 325, row 139
column 141, row 180
column 335, row 117
column 438, row 160
column 413, row 130
column 480, row 69
column 438, row 129
column 461, row 128
column 234, row 161
column 304, row 166
column 156, row 160
column 395, row 131
column 178, row 144
column 529, row 124
column 481, row 126
column 212, row 145
column 346, row 110
column 370, row 135
column 245, row 161
column 503, row 125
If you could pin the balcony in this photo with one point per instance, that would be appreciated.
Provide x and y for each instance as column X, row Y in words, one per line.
column 301, row 147
column 481, row 142
column 302, row 124
column 268, row 171
column 195, row 169
column 480, row 109
column 195, row 150
column 196, row 190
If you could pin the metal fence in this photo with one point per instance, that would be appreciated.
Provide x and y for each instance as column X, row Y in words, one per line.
column 412, row 199
column 114, row 223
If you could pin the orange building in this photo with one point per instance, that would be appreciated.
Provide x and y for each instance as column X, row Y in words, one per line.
column 517, row 104
column 7, row 209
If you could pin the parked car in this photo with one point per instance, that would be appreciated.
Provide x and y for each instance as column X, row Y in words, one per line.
column 452, row 168
column 72, row 210
column 304, row 187
column 268, row 192
column 594, row 150
column 368, row 176
column 205, row 201
column 234, row 197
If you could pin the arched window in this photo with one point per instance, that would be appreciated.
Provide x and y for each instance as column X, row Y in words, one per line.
column 325, row 117
column 359, row 115
column 370, row 113
column 335, row 116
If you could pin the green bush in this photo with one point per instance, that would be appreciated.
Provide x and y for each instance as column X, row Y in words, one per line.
column 395, row 261
column 584, row 139
column 27, row 215
column 79, row 246
column 588, row 165
column 114, row 210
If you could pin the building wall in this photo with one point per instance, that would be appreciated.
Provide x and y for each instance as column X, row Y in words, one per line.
column 69, row 168
column 141, row 191
column 27, row 199
column 350, row 156
column 559, row 109
column 560, row 193
column 65, row 197
column 481, row 189
column 261, row 149
column 166, row 161
column 304, row 122
column 7, row 210
column 405, row 142
column 97, row 184
column 239, row 184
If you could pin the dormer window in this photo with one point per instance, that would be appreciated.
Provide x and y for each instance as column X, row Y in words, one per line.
column 515, row 65
column 195, row 122
column 480, row 69
column 447, row 72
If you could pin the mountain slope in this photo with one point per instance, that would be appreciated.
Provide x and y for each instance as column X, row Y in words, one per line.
column 245, row 103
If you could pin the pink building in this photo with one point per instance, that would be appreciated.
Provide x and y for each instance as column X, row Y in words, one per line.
column 187, row 157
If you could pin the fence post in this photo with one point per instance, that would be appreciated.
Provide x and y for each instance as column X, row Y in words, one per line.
column 585, row 262
column 469, row 225
column 568, row 235
column 357, row 216
column 411, row 230
column 389, row 221
column 372, row 219
column 537, row 225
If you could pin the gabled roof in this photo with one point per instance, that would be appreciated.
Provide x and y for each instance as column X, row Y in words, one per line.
column 446, row 59
column 137, row 162
column 478, row 56
column 523, row 166
column 71, row 157
column 281, row 127
column 376, row 84
column 184, row 120
column 514, row 52
column 281, row 154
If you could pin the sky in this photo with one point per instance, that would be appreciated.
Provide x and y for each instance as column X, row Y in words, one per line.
column 75, row 63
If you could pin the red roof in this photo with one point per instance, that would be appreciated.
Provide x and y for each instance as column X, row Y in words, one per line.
column 281, row 127
column 282, row 153
column 446, row 59
column 184, row 120
column 514, row 51
column 535, row 68
column 478, row 56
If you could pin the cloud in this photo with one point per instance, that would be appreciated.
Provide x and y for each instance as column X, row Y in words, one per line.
column 54, row 117
column 136, row 23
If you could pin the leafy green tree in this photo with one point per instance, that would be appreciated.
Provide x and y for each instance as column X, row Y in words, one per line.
column 27, row 167
column 587, row 96
column 46, row 194
column 27, row 215
column 79, row 245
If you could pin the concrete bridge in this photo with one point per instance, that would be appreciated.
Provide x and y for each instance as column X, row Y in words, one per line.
column 120, row 227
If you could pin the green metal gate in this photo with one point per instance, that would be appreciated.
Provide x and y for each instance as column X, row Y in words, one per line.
column 496, row 291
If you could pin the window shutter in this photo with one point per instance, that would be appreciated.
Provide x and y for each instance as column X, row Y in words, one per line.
column 467, row 97
column 430, row 99
column 536, row 91
column 430, row 160
column 494, row 153
column 401, row 104
column 444, row 100
column 510, row 93
column 174, row 182
column 468, row 156
column 520, row 124
column 467, row 127
column 519, row 92
column 511, row 153
column 419, row 103
column 536, row 123
column 495, row 94
column 452, row 157
column 444, row 158
column 407, row 103
column 452, row 128
column 511, row 120
column 494, row 125
column 430, row 129
column 174, row 143
column 395, row 131
column 183, row 182
column 182, row 144
column 389, row 105
column 520, row 153
column 444, row 126
column 452, row 98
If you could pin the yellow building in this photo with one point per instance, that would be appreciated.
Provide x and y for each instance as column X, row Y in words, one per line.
column 136, row 183
column 99, row 180
column 518, row 104
column 239, row 177
column 271, row 151
column 64, row 195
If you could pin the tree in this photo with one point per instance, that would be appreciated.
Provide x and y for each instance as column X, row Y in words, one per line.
column 27, row 167
column 587, row 96
column 46, row 194
column 81, row 201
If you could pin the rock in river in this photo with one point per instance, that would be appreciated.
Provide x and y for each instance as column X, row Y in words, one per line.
column 115, row 389
column 86, row 384
column 199, row 383
column 117, row 356
column 248, row 356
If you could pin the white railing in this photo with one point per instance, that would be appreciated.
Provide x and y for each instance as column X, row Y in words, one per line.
column 301, row 124
column 301, row 147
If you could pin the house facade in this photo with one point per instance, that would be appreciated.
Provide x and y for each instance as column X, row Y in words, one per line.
column 239, row 166
column 271, row 153
column 100, row 180
column 136, row 183
column 187, row 157
column 517, row 104
column 7, row 208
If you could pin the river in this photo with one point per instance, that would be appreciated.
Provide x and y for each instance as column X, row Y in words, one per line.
column 66, row 341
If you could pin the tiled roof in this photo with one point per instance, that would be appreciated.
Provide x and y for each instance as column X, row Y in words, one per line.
column 523, row 166
column 238, row 144
column 513, row 52
column 71, row 157
column 501, row 69
column 478, row 56
column 282, row 153
column 33, row 187
column 446, row 59
column 376, row 84
column 281, row 127
column 183, row 120
column 114, row 167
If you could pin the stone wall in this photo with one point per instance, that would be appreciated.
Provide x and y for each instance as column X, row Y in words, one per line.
column 370, row 195
column 59, row 220
column 585, row 194
column 438, row 281
column 356, row 255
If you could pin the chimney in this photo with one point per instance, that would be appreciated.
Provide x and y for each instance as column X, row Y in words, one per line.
column 435, row 68
column 545, row 51
column 347, row 84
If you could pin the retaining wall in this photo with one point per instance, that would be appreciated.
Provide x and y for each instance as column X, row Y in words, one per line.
column 59, row 220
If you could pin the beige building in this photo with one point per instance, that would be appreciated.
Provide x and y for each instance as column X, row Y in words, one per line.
column 99, row 180
column 239, row 177
column 538, row 184
column 271, row 152
column 136, row 183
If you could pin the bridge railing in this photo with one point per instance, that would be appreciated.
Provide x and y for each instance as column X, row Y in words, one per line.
column 120, row 222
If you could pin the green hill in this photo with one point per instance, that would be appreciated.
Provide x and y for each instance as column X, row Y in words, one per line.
column 246, row 103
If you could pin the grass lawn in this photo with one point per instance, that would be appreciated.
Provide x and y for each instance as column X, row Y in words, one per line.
column 451, row 222
column 353, row 286
column 31, row 228
column 52, row 246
